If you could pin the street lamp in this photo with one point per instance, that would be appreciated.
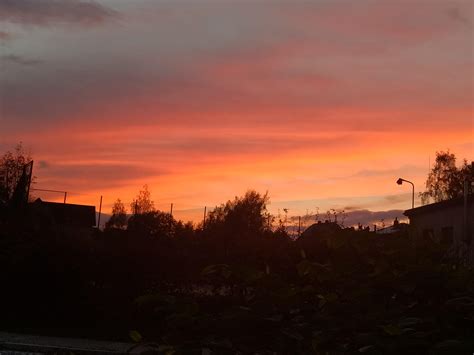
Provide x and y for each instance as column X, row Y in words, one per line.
column 400, row 181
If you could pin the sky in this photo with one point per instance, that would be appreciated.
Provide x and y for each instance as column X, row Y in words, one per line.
column 323, row 103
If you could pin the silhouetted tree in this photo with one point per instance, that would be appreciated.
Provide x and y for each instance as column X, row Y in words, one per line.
column 119, row 216
column 142, row 203
column 184, row 230
column 445, row 180
column 244, row 216
column 153, row 224
column 11, row 169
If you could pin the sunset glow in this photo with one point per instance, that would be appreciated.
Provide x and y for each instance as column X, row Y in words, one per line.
column 322, row 105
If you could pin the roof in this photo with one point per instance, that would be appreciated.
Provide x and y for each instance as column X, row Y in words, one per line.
column 442, row 205
column 392, row 229
column 69, row 214
column 320, row 228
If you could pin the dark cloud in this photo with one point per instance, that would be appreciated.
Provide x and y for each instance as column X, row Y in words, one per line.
column 46, row 12
column 363, row 216
column 16, row 59
column 367, row 217
column 456, row 14
column 398, row 198
column 42, row 164
column 351, row 208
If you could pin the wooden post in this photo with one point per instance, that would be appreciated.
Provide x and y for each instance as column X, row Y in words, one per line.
column 204, row 219
column 299, row 226
column 465, row 222
column 100, row 212
column 171, row 220
column 30, row 175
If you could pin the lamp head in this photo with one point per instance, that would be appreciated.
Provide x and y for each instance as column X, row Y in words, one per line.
column 400, row 181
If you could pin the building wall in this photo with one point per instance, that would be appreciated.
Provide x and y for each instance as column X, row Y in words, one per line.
column 445, row 225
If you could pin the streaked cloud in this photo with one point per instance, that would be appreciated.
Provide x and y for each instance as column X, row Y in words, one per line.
column 326, row 101
column 50, row 12
column 370, row 218
column 16, row 59
column 76, row 176
column 458, row 14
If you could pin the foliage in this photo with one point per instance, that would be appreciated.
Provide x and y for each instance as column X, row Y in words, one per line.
column 244, row 216
column 119, row 216
column 11, row 167
column 152, row 224
column 142, row 203
column 445, row 180
column 185, row 291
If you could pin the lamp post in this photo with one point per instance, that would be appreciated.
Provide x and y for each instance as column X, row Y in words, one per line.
column 400, row 181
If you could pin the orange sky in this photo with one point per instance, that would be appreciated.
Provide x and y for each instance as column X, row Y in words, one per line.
column 323, row 104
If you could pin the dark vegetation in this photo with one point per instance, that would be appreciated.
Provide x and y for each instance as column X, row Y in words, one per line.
column 445, row 180
column 234, row 285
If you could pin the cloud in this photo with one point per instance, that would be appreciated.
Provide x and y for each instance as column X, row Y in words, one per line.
column 15, row 59
column 274, row 63
column 43, row 164
column 47, row 12
column 326, row 76
column 391, row 172
column 393, row 199
column 367, row 217
column 351, row 208
column 355, row 216
column 82, row 177
column 5, row 36
column 457, row 15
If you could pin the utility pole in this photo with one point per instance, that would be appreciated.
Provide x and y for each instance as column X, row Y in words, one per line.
column 299, row 226
column 30, row 174
column 204, row 219
column 100, row 212
column 171, row 219
column 466, row 228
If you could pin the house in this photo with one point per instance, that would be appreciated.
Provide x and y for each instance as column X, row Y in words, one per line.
column 449, row 222
column 321, row 229
column 395, row 228
column 65, row 214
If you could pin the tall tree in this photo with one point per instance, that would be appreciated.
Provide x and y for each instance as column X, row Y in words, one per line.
column 142, row 202
column 11, row 170
column 119, row 216
column 446, row 180
column 153, row 224
column 244, row 216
